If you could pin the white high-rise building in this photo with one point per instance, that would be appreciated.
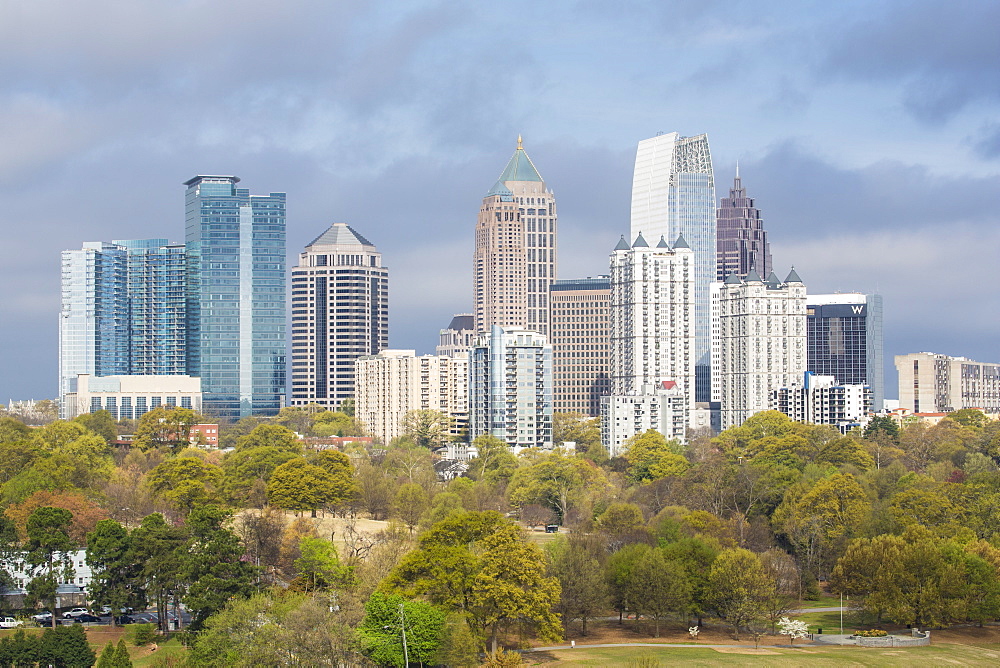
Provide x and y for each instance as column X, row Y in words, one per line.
column 458, row 337
column 763, row 341
column 340, row 312
column 824, row 400
column 652, row 341
column 652, row 316
column 394, row 382
column 510, row 388
column 673, row 194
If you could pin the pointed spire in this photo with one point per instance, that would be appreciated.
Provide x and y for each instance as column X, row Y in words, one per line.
column 662, row 243
column 793, row 276
column 640, row 242
column 622, row 244
column 680, row 243
column 500, row 189
column 521, row 148
column 520, row 167
column 733, row 279
column 773, row 281
column 737, row 169
column 753, row 276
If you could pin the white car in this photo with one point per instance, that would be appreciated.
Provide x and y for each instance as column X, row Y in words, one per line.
column 10, row 623
column 75, row 612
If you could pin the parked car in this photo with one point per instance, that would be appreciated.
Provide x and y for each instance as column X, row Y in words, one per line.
column 125, row 619
column 10, row 623
column 43, row 617
column 75, row 612
column 86, row 617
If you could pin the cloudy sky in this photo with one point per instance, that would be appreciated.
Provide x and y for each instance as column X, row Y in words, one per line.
column 868, row 132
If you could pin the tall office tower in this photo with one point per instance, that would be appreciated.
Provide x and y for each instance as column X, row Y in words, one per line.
column 763, row 330
column 844, row 340
column 340, row 312
column 395, row 382
column 653, row 336
column 515, row 256
column 580, row 322
column 510, row 388
column 236, row 296
column 673, row 193
column 933, row 383
column 123, row 311
column 458, row 337
column 740, row 239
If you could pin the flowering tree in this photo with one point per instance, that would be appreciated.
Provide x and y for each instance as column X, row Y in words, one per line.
column 793, row 628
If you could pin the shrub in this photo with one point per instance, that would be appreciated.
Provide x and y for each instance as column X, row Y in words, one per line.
column 141, row 634
column 871, row 633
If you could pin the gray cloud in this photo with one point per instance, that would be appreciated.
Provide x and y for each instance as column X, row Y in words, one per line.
column 944, row 55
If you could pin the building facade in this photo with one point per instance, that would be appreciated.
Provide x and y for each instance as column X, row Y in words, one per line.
column 395, row 382
column 340, row 312
column 929, row 382
column 510, row 388
column 763, row 342
column 740, row 238
column 130, row 397
column 673, row 194
column 664, row 407
column 515, row 256
column 824, row 400
column 236, row 296
column 580, row 325
column 458, row 337
column 653, row 336
column 844, row 339
column 123, row 310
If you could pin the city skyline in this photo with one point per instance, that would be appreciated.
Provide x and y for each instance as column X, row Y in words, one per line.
column 871, row 142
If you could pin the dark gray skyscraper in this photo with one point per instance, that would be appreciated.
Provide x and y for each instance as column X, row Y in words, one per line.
column 741, row 242
column 844, row 339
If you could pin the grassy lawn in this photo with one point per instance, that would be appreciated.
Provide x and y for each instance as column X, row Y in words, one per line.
column 965, row 655
column 170, row 648
column 824, row 601
column 830, row 621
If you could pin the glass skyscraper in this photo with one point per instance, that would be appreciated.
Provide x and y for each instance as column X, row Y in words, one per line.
column 235, row 296
column 673, row 194
column 844, row 340
column 123, row 310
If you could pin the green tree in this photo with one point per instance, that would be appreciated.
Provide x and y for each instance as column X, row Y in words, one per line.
column 459, row 647
column 318, row 566
column 697, row 556
column 969, row 417
column 428, row 428
column 618, row 574
column 159, row 548
column 186, row 482
column 298, row 485
column 101, row 423
column 658, row 587
column 387, row 616
column 554, row 480
column 245, row 470
column 494, row 461
column 336, row 423
column 511, row 587
column 411, row 503
column 845, row 450
column 165, row 426
column 213, row 565
column 584, row 591
column 882, row 427
column 620, row 519
column 66, row 647
column 341, row 472
column 741, row 587
column 48, row 555
column 651, row 456
column 576, row 428
column 109, row 555
column 270, row 435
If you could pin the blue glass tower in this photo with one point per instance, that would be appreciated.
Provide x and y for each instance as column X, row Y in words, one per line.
column 236, row 296
column 123, row 310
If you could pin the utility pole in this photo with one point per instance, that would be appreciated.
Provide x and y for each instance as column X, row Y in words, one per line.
column 402, row 626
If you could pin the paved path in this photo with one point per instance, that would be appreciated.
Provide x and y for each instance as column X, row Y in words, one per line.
column 639, row 644
column 805, row 610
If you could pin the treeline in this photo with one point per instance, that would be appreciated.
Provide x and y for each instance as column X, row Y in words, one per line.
column 738, row 526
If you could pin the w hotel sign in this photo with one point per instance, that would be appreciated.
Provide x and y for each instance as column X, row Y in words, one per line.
column 838, row 311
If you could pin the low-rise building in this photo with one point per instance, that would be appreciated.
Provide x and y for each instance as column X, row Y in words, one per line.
column 130, row 397
column 933, row 383
column 664, row 407
column 822, row 400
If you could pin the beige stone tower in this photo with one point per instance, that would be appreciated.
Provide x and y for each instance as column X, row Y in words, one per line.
column 515, row 256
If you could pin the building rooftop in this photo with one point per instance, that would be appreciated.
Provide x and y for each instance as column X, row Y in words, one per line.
column 520, row 167
column 340, row 234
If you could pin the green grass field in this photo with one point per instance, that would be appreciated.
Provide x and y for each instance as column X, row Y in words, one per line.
column 170, row 648
column 647, row 657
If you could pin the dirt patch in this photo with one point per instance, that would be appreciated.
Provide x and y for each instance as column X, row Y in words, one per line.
column 631, row 630
column 745, row 650
column 987, row 635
